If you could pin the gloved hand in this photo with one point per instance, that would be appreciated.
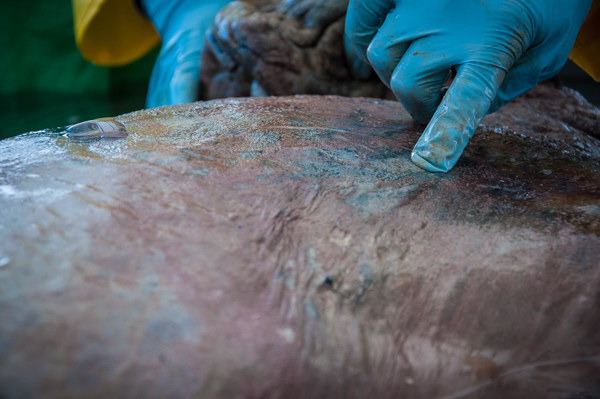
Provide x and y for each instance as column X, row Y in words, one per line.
column 499, row 48
column 181, row 25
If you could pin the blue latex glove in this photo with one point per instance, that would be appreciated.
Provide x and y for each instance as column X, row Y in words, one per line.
column 181, row 24
column 499, row 48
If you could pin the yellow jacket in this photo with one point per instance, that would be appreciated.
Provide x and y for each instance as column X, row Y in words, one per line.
column 586, row 51
column 113, row 33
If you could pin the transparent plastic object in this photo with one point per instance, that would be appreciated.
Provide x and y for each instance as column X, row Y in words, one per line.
column 96, row 129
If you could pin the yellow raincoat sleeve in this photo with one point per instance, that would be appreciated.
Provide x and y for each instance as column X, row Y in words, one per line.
column 112, row 32
column 586, row 51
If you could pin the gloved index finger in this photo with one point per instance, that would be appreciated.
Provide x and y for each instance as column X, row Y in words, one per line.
column 363, row 19
column 465, row 104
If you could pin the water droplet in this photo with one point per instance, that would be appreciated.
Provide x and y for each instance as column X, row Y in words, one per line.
column 96, row 129
column 4, row 261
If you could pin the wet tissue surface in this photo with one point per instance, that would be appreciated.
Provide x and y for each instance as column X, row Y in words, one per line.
column 288, row 248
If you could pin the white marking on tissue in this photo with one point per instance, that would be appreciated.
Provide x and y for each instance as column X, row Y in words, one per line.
column 287, row 334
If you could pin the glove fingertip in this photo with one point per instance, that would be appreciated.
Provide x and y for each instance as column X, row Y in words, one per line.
column 429, row 165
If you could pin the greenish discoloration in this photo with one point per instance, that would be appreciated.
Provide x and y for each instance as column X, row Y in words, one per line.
column 298, row 122
column 246, row 155
column 312, row 134
column 201, row 172
column 386, row 165
column 241, row 186
column 369, row 198
column 265, row 139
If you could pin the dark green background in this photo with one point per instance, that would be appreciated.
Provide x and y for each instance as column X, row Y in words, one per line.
column 45, row 83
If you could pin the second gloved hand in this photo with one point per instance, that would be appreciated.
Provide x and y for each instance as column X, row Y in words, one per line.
column 181, row 25
column 499, row 48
